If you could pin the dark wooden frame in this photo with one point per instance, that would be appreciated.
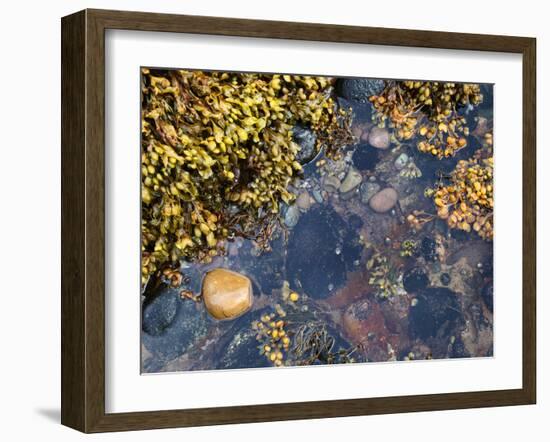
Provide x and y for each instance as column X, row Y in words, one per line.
column 83, row 216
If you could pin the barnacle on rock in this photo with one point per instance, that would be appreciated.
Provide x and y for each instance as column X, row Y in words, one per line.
column 217, row 156
column 429, row 109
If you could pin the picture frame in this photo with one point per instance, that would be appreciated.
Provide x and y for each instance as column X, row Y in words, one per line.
column 83, row 220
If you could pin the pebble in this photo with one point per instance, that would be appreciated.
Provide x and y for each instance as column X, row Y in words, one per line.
column 306, row 139
column 317, row 195
column 226, row 294
column 383, row 200
column 303, row 201
column 401, row 161
column 292, row 215
column 379, row 138
column 368, row 190
column 331, row 183
column 445, row 279
column 351, row 181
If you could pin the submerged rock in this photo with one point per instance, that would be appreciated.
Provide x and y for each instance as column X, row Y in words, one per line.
column 292, row 215
column 306, row 139
column 379, row 138
column 365, row 157
column 331, row 183
column 188, row 326
column 238, row 348
column 311, row 261
column 487, row 295
column 364, row 324
column 351, row 181
column 436, row 314
column 226, row 294
column 384, row 200
column 415, row 279
column 304, row 201
column 368, row 190
column 159, row 311
column 359, row 89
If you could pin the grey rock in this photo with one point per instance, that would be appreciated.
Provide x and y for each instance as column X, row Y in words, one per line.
column 159, row 311
column 351, row 181
column 303, row 201
column 292, row 215
column 331, row 183
column 306, row 139
column 359, row 89
column 368, row 190
column 317, row 195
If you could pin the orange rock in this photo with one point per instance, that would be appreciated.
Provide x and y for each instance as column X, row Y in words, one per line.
column 226, row 294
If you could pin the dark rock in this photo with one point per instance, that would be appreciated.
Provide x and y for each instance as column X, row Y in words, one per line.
column 267, row 268
column 239, row 347
column 415, row 279
column 306, row 139
column 355, row 222
column 312, row 262
column 445, row 279
column 365, row 157
column 436, row 314
column 190, row 324
column 159, row 310
column 428, row 249
column 487, row 295
column 359, row 89
column 458, row 350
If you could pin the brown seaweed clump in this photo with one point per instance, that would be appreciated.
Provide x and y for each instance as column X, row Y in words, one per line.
column 466, row 200
column 431, row 110
column 217, row 156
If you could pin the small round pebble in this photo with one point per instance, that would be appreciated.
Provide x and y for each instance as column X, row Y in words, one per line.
column 379, row 138
column 384, row 200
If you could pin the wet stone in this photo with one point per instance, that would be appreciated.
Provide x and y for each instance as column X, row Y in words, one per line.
column 311, row 261
column 365, row 157
column 359, row 89
column 226, row 294
column 292, row 215
column 368, row 190
column 238, row 348
column 436, row 314
column 379, row 138
column 445, row 279
column 384, row 200
column 331, row 183
column 415, row 279
column 303, row 201
column 190, row 324
column 487, row 295
column 159, row 311
column 306, row 139
column 351, row 181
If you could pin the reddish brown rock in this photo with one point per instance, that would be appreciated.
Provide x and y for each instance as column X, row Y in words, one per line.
column 364, row 324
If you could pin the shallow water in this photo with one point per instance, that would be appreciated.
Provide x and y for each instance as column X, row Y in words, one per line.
column 333, row 250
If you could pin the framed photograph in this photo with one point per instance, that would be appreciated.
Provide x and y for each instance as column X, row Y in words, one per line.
column 266, row 221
